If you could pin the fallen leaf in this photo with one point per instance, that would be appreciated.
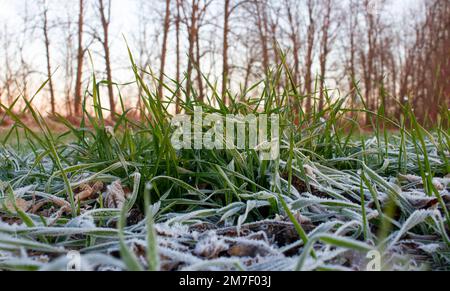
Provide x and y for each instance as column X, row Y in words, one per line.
column 20, row 203
column 115, row 196
column 87, row 192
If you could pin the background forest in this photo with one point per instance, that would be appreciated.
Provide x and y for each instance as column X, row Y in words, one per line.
column 396, row 49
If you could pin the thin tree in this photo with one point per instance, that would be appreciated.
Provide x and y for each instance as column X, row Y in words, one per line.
column 178, row 54
column 226, row 29
column 352, row 27
column 68, row 62
column 166, row 26
column 229, row 9
column 105, row 18
column 143, row 38
column 349, row 40
column 8, row 74
column 25, row 69
column 80, row 60
column 325, row 46
column 45, row 31
column 309, row 57
column 263, row 32
column 368, row 59
column 192, row 30
column 193, row 18
column 198, row 57
column 294, row 37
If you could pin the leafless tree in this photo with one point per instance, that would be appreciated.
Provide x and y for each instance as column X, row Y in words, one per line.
column 309, row 56
column 330, row 25
column 370, row 53
column 294, row 18
column 226, row 30
column 69, row 52
column 193, row 16
column 237, row 42
column 45, row 31
column 166, row 27
column 429, row 87
column 8, row 73
column 178, row 53
column 104, row 9
column 144, row 53
column 262, row 25
column 191, row 24
column 80, row 59
column 349, row 39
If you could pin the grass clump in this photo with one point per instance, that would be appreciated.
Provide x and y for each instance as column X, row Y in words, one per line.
column 337, row 191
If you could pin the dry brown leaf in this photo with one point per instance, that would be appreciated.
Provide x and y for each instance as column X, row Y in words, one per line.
column 420, row 200
column 438, row 183
column 309, row 171
column 243, row 249
column 210, row 246
column 20, row 203
column 63, row 204
column 115, row 196
column 88, row 192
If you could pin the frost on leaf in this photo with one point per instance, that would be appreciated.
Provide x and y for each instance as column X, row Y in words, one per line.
column 210, row 246
column 20, row 203
column 115, row 196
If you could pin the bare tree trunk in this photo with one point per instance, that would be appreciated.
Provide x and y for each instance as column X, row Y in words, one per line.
column 324, row 50
column 25, row 67
column 248, row 72
column 7, row 67
column 294, row 39
column 69, row 66
column 273, row 30
column 309, row 55
column 45, row 29
column 201, row 95
column 144, row 58
column 352, row 59
column 177, row 29
column 225, row 69
column 370, row 59
column 194, row 21
column 261, row 22
column 80, row 60
column 164, row 49
column 106, row 20
column 192, row 27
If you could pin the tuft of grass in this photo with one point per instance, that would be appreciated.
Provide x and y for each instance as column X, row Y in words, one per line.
column 342, row 189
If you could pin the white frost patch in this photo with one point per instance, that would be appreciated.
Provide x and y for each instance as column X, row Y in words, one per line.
column 210, row 245
column 431, row 248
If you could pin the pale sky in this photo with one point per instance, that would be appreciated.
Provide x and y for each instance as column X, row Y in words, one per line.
column 124, row 11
